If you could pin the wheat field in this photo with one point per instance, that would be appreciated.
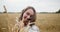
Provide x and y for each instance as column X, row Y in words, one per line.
column 45, row 22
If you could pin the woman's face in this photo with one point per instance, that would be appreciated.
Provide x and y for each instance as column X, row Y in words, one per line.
column 28, row 14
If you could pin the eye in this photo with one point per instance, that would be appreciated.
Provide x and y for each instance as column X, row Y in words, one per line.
column 28, row 13
column 31, row 16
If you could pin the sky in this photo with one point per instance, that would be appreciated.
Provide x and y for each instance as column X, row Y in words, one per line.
column 39, row 5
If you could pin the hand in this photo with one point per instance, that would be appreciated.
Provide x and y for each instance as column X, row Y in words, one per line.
column 21, row 24
column 30, row 23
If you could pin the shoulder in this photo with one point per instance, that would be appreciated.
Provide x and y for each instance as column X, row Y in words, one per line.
column 34, row 27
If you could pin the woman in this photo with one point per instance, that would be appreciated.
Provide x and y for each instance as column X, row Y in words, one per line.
column 27, row 21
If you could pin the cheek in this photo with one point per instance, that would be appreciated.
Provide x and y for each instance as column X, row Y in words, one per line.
column 25, row 16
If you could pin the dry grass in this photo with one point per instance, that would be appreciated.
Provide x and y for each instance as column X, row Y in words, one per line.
column 46, row 22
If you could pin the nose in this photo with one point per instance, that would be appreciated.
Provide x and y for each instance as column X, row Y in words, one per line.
column 28, row 17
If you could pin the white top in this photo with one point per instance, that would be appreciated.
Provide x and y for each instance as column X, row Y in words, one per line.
column 34, row 28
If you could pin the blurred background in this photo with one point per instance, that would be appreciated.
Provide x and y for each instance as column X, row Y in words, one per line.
column 48, row 14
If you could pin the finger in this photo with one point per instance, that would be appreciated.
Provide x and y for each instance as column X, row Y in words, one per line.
column 30, row 23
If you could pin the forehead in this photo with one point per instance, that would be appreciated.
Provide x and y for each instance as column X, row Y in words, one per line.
column 30, row 11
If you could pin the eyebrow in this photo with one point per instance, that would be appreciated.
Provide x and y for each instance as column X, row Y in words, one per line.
column 28, row 13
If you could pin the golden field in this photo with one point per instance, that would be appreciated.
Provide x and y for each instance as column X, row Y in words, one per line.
column 45, row 22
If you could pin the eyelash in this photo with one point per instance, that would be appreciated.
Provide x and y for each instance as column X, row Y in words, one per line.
column 31, row 16
column 27, row 13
